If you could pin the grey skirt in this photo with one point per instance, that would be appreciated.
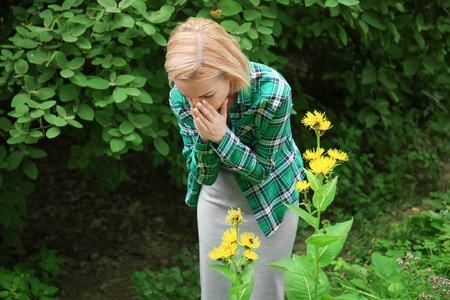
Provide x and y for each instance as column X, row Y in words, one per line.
column 214, row 202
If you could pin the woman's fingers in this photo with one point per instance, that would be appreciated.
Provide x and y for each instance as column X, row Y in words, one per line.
column 206, row 109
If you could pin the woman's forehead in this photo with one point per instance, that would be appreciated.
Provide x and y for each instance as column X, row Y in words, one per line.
column 198, row 88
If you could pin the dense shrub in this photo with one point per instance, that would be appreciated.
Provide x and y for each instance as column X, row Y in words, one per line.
column 92, row 71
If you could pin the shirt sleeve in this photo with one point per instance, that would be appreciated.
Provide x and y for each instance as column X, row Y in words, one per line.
column 257, row 163
column 202, row 161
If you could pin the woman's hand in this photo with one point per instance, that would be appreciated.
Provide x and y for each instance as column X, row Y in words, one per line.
column 210, row 124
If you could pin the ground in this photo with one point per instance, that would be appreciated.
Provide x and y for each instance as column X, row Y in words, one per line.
column 107, row 238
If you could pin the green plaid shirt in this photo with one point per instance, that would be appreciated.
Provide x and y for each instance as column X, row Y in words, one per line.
column 258, row 148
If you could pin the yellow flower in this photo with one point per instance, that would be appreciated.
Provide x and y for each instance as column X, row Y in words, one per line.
column 322, row 165
column 250, row 255
column 337, row 154
column 228, row 249
column 302, row 185
column 314, row 120
column 234, row 217
column 325, row 125
column 313, row 154
column 249, row 240
column 215, row 253
column 229, row 236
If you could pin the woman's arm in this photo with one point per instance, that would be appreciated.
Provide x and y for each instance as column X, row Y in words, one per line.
column 273, row 119
column 202, row 162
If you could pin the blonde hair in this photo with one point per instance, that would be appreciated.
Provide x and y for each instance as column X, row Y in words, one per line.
column 201, row 49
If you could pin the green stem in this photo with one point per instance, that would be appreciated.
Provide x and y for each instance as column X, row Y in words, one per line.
column 316, row 261
column 236, row 267
column 318, row 138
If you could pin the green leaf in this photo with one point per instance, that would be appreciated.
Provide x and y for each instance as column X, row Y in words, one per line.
column 27, row 43
column 98, row 83
column 264, row 30
column 372, row 20
column 308, row 3
column 322, row 240
column 386, row 267
column 124, row 79
column 223, row 270
column 4, row 294
column 313, row 181
column 381, row 105
column 311, row 220
column 30, row 169
column 302, row 287
column 325, row 195
column 343, row 35
column 76, row 63
column 229, row 7
column 47, row 104
column 86, row 112
column 230, row 25
column 21, row 66
column 251, row 14
column 67, row 73
column 79, row 79
column 133, row 92
column 107, row 3
column 159, row 39
column 162, row 15
column 61, row 60
column 149, row 29
column 37, row 153
column 68, row 92
column 37, row 57
column 419, row 39
column 117, row 144
column 53, row 132
column 126, row 127
column 119, row 94
column 37, row 113
column 14, row 160
column 411, row 65
column 124, row 20
column 349, row 2
column 83, row 43
column 74, row 123
column 45, row 93
column 140, row 120
column 145, row 97
column 125, row 3
column 369, row 75
column 331, row 3
column 161, row 146
column 328, row 253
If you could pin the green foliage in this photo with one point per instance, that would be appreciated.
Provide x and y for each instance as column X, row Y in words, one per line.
column 173, row 283
column 31, row 279
column 421, row 272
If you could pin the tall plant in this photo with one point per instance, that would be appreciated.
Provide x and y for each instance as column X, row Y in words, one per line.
column 304, row 277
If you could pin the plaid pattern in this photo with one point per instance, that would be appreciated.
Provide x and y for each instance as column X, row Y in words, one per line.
column 258, row 148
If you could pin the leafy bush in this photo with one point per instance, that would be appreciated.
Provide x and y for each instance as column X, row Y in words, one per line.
column 172, row 283
column 31, row 279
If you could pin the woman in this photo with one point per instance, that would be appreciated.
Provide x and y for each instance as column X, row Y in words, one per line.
column 234, row 121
